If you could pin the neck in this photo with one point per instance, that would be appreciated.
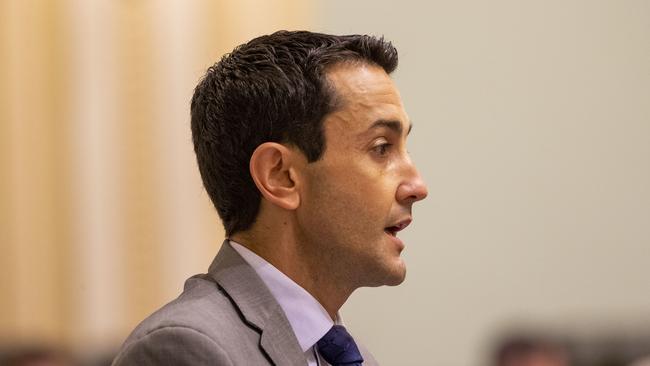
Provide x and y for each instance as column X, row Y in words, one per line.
column 298, row 261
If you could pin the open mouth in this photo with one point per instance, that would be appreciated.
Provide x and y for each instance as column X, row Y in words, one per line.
column 392, row 230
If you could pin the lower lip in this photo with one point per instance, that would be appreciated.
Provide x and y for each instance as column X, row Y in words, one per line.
column 398, row 242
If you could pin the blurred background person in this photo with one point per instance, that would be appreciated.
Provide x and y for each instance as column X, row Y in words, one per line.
column 36, row 356
column 530, row 351
column 644, row 361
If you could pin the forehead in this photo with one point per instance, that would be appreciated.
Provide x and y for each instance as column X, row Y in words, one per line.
column 364, row 94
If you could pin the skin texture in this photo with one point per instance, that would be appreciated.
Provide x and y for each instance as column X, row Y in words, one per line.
column 322, row 223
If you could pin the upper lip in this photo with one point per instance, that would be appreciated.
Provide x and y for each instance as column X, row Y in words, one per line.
column 400, row 225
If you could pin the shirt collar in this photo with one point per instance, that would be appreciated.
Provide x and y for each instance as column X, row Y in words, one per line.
column 308, row 319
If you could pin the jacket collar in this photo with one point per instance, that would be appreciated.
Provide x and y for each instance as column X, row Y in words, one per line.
column 257, row 306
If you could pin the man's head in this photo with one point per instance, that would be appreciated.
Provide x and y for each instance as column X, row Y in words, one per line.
column 311, row 126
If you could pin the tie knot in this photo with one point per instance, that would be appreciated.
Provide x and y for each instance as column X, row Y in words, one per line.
column 338, row 348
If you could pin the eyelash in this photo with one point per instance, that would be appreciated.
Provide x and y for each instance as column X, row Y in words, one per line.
column 382, row 149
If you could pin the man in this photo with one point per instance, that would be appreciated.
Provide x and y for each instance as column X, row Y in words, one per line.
column 300, row 139
column 531, row 351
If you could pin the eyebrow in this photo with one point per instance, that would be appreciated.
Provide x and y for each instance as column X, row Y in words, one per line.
column 391, row 124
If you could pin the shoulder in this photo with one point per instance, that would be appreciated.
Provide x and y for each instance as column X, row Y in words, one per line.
column 202, row 326
column 203, row 306
column 175, row 345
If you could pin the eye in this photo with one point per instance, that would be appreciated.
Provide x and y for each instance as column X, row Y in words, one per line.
column 382, row 149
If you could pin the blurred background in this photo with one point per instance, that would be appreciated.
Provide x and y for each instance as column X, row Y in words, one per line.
column 532, row 130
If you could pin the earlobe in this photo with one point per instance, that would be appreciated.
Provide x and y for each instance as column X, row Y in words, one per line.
column 271, row 167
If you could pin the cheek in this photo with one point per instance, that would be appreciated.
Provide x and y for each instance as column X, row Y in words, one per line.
column 353, row 199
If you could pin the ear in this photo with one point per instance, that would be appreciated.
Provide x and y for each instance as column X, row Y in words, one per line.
column 273, row 169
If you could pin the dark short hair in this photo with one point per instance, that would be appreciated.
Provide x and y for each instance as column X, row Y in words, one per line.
column 271, row 89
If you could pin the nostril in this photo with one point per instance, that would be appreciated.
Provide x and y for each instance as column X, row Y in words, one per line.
column 418, row 195
column 412, row 191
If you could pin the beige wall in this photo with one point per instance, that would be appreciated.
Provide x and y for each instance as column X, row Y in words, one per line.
column 532, row 130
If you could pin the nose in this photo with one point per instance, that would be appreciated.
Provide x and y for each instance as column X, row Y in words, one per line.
column 412, row 188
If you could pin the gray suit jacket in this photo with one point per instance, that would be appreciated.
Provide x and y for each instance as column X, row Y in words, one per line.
column 225, row 317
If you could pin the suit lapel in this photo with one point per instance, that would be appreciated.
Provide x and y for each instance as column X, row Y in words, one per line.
column 257, row 305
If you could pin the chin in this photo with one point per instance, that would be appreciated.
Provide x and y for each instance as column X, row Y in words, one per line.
column 392, row 274
column 396, row 278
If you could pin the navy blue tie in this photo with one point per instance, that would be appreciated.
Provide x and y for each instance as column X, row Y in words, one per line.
column 338, row 348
